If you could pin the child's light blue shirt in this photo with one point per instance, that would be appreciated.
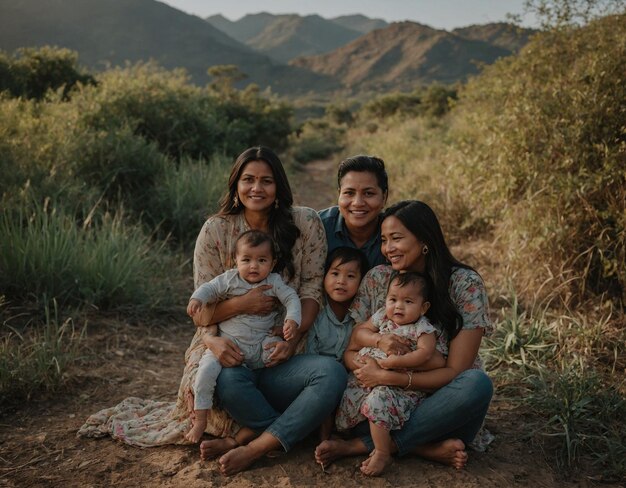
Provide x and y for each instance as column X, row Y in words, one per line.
column 329, row 336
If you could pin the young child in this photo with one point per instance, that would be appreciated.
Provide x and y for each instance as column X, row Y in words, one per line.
column 330, row 333
column 255, row 258
column 386, row 407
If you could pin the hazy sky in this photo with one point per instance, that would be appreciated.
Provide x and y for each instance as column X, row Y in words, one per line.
column 442, row 14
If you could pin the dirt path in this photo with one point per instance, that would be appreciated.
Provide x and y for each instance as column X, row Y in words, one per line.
column 39, row 447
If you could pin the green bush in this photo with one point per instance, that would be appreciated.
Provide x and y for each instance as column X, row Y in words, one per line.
column 543, row 156
column 316, row 139
column 31, row 72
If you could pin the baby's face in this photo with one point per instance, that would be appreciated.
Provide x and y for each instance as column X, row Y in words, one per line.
column 254, row 263
column 405, row 304
column 342, row 280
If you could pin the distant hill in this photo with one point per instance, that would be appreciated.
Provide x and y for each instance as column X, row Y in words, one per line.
column 506, row 36
column 360, row 23
column 284, row 37
column 112, row 32
column 403, row 54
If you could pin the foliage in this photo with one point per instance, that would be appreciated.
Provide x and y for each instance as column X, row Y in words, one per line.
column 567, row 13
column 37, row 358
column 108, row 262
column 543, row 156
column 431, row 101
column 317, row 139
column 31, row 72
column 565, row 367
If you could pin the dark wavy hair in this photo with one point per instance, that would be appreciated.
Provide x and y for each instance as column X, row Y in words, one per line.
column 364, row 164
column 283, row 229
column 422, row 222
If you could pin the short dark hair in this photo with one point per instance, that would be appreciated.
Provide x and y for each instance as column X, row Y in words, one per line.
column 345, row 255
column 255, row 238
column 412, row 278
column 364, row 164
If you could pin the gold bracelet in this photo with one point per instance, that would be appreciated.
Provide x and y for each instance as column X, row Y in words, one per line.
column 410, row 375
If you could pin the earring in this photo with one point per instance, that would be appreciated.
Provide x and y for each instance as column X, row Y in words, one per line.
column 425, row 250
column 276, row 203
column 236, row 201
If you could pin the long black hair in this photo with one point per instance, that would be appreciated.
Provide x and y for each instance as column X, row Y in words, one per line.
column 422, row 222
column 283, row 229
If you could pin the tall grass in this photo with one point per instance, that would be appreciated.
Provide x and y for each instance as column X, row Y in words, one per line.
column 37, row 357
column 567, row 369
column 106, row 263
column 184, row 195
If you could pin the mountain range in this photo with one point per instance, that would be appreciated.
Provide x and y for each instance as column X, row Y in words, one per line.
column 293, row 54
column 284, row 37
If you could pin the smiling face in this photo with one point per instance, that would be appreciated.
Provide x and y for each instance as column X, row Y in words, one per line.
column 254, row 263
column 360, row 200
column 403, row 250
column 256, row 187
column 342, row 280
column 405, row 304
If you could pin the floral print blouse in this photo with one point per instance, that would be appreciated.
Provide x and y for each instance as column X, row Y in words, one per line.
column 467, row 291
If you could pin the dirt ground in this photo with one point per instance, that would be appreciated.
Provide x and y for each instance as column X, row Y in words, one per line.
column 39, row 447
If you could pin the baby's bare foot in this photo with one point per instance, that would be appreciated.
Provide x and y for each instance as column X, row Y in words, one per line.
column 195, row 434
column 376, row 463
column 217, row 447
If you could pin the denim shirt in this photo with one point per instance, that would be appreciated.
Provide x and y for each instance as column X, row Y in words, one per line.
column 337, row 235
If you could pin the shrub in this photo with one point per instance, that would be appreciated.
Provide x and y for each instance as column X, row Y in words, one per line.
column 543, row 156
column 31, row 72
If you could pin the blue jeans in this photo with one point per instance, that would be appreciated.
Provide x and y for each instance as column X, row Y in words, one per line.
column 289, row 400
column 455, row 411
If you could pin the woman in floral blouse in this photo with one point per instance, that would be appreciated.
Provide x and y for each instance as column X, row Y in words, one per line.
column 287, row 400
column 446, row 421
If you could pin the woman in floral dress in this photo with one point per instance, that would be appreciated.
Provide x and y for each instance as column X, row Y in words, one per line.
column 280, row 404
column 443, row 424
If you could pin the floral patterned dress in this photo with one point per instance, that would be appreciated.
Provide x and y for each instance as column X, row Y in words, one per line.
column 147, row 423
column 386, row 406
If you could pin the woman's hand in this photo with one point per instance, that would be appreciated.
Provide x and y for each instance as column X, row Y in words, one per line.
column 282, row 351
column 370, row 374
column 225, row 350
column 392, row 344
column 256, row 302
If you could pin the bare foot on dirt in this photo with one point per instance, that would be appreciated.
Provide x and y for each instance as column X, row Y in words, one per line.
column 328, row 451
column 376, row 463
column 195, row 434
column 450, row 452
column 236, row 460
column 217, row 447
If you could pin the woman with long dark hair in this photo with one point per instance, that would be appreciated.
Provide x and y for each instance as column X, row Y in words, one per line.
column 282, row 403
column 446, row 421
column 266, row 409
